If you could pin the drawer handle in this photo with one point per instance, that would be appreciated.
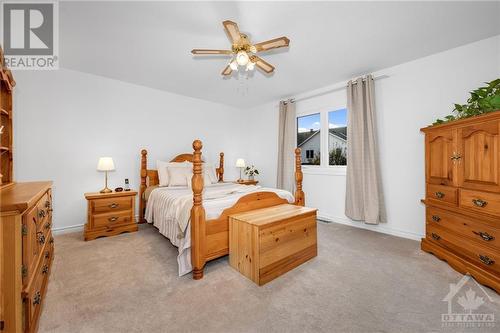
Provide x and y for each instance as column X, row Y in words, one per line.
column 37, row 299
column 47, row 225
column 47, row 204
column 113, row 219
column 455, row 157
column 439, row 195
column 51, row 240
column 113, row 205
column 486, row 260
column 436, row 218
column 41, row 213
column 479, row 202
column 484, row 235
column 41, row 237
column 47, row 254
column 436, row 236
column 45, row 269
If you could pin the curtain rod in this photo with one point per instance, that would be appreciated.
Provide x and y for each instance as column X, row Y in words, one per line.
column 333, row 90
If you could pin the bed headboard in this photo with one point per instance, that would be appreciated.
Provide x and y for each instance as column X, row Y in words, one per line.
column 149, row 177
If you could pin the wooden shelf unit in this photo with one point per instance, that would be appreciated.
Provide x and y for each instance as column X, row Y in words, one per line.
column 7, row 83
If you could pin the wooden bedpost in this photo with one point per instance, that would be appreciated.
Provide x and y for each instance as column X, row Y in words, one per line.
column 144, row 173
column 299, row 194
column 198, row 222
column 221, row 167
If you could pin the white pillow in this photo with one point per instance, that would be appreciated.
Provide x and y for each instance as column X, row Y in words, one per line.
column 162, row 168
column 177, row 176
column 206, row 179
column 210, row 170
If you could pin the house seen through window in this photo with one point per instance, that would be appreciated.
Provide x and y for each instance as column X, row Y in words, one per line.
column 337, row 137
column 309, row 138
column 309, row 128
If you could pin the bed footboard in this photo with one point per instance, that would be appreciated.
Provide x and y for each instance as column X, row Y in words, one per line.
column 300, row 199
column 198, row 221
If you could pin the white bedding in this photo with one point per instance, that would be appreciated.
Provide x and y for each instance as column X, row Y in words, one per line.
column 169, row 209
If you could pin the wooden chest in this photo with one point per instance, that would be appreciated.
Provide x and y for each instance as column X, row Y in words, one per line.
column 26, row 253
column 463, row 196
column 268, row 242
column 110, row 214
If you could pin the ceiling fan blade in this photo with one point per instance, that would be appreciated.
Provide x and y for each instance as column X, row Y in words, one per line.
column 232, row 30
column 227, row 71
column 204, row 51
column 272, row 44
column 259, row 62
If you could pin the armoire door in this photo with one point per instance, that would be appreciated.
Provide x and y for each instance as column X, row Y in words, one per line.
column 440, row 149
column 479, row 150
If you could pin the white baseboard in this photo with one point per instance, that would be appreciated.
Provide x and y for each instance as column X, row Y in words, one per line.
column 377, row 228
column 68, row 229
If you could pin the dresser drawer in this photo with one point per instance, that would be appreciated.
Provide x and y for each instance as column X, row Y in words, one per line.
column 481, row 255
column 44, row 212
column 31, row 245
column 484, row 202
column 35, row 294
column 442, row 194
column 110, row 220
column 111, row 204
column 481, row 232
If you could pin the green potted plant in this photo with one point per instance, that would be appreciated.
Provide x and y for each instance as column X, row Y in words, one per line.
column 251, row 171
column 482, row 100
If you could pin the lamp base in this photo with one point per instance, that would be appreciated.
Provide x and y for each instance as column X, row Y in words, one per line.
column 105, row 190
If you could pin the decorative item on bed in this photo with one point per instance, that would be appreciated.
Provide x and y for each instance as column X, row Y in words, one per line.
column 195, row 217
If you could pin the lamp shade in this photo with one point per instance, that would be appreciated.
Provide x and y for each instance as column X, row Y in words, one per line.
column 240, row 163
column 105, row 164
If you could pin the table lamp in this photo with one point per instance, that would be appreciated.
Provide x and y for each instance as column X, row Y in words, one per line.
column 105, row 164
column 240, row 163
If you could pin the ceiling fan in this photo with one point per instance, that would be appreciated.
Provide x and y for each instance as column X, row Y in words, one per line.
column 243, row 52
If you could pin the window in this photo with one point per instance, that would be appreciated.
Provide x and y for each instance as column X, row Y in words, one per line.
column 309, row 138
column 322, row 137
column 337, row 137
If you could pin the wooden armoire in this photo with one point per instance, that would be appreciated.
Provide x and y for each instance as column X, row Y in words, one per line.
column 463, row 196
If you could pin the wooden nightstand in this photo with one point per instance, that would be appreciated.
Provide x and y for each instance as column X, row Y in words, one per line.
column 247, row 182
column 110, row 214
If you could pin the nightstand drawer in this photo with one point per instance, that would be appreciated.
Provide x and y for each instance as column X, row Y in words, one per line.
column 112, row 219
column 111, row 204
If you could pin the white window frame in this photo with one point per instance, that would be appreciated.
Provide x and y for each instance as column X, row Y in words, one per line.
column 324, row 168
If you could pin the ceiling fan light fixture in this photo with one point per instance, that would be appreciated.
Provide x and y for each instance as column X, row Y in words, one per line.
column 242, row 52
column 242, row 58
column 250, row 66
column 234, row 65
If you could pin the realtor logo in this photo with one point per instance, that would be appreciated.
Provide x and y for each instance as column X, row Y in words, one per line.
column 466, row 300
column 30, row 35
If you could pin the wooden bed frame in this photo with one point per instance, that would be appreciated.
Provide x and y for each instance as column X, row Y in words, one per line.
column 210, row 238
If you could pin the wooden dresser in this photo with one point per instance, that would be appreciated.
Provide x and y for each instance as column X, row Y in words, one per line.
column 110, row 214
column 26, row 253
column 463, row 196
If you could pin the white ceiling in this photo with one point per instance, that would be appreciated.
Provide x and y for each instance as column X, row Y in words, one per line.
column 149, row 43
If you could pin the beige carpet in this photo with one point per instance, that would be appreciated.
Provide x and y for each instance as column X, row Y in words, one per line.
column 361, row 282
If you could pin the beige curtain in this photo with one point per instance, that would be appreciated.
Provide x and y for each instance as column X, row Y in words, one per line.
column 286, row 146
column 364, row 199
